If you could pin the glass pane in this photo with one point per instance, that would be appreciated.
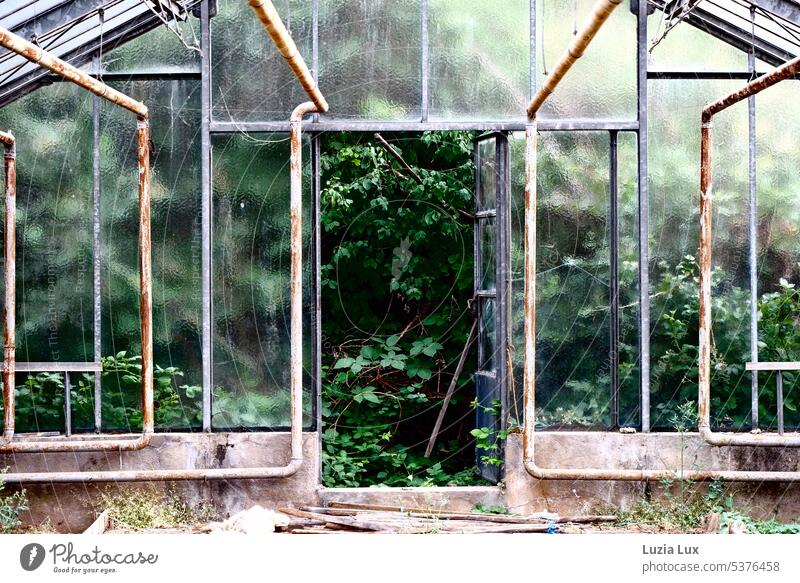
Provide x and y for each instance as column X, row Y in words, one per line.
column 487, row 335
column 371, row 58
column 472, row 75
column 160, row 48
column 516, row 149
column 251, row 281
column 176, row 248
column 778, row 158
column 687, row 48
column 602, row 83
column 488, row 253
column 674, row 237
column 250, row 79
column 629, row 372
column 487, row 175
column 572, row 348
column 54, row 320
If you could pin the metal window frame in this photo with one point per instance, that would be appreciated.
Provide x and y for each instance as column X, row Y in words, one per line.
column 315, row 127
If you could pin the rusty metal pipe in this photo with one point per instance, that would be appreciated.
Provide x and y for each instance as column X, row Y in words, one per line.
column 296, row 326
column 788, row 69
column 44, row 59
column 600, row 14
column 10, row 182
column 41, row 57
column 273, row 24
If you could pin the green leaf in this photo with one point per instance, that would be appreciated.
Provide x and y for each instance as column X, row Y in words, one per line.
column 344, row 363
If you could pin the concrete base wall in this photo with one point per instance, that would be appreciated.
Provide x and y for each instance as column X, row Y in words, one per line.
column 72, row 507
column 583, row 449
column 450, row 499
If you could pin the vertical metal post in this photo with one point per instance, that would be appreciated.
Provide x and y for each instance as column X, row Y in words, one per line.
column 316, row 252
column 779, row 399
column 9, row 281
column 502, row 277
column 316, row 320
column 532, row 48
column 97, row 262
column 315, row 45
column 205, row 218
column 67, row 405
column 425, row 58
column 613, row 246
column 752, row 233
column 643, row 216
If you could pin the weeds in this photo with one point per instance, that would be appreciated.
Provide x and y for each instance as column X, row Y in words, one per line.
column 11, row 507
column 148, row 508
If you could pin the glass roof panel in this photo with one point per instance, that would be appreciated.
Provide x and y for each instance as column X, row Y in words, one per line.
column 73, row 30
column 771, row 27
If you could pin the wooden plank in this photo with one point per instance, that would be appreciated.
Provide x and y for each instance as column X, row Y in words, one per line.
column 341, row 520
column 773, row 366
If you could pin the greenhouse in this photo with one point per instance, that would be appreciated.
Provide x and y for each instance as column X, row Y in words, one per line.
column 361, row 254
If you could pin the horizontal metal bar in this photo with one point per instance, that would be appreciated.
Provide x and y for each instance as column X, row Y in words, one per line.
column 588, row 125
column 57, row 367
column 704, row 75
column 779, row 366
column 487, row 214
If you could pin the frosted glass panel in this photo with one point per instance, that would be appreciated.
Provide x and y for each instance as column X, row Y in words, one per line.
column 250, row 79
column 176, row 250
column 674, row 238
column 572, row 348
column 778, row 123
column 370, row 58
column 602, row 83
column 159, row 48
column 54, row 319
column 686, row 48
column 251, row 282
column 479, row 59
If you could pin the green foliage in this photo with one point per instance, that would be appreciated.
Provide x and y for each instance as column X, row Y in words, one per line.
column 396, row 280
column 488, row 441
column 11, row 506
column 40, row 399
column 684, row 512
column 730, row 516
column 496, row 509
column 674, row 372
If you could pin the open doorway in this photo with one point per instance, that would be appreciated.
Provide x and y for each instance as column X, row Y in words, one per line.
column 413, row 319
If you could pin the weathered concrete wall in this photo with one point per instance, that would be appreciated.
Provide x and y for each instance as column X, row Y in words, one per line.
column 450, row 499
column 653, row 450
column 70, row 507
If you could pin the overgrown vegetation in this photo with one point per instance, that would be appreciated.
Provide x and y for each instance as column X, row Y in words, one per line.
column 11, row 507
column 396, row 289
column 149, row 507
column 681, row 505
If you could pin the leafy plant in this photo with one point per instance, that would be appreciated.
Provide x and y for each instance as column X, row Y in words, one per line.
column 11, row 506
column 396, row 285
column 488, row 441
